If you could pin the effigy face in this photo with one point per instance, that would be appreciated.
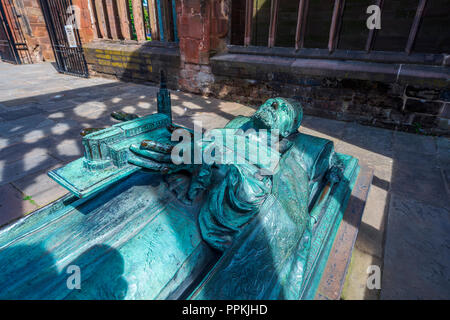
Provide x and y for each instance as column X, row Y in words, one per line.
column 140, row 227
column 282, row 114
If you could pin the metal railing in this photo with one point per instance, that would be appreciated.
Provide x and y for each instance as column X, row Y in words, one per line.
column 336, row 20
column 141, row 20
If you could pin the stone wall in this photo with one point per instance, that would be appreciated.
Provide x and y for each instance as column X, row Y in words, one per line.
column 409, row 97
column 86, row 27
column 401, row 97
column 133, row 61
column 34, row 30
column 203, row 28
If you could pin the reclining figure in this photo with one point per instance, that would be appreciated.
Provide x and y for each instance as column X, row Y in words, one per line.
column 269, row 263
column 197, row 231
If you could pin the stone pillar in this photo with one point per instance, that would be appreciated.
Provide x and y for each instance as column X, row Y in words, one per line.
column 37, row 38
column 202, row 29
column 122, row 8
column 138, row 20
column 86, row 23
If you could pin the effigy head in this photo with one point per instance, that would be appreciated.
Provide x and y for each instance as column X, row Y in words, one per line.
column 279, row 113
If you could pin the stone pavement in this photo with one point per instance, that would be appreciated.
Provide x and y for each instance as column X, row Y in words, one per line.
column 406, row 224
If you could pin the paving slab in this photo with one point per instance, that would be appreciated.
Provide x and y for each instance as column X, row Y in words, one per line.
column 31, row 162
column 421, row 183
column 375, row 140
column 443, row 153
column 331, row 128
column 66, row 148
column 13, row 205
column 446, row 177
column 417, row 253
column 18, row 151
column 415, row 158
column 40, row 188
column 54, row 106
column 18, row 113
column 24, row 125
column 408, row 142
column 371, row 232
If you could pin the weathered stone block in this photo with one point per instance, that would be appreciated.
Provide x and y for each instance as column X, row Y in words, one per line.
column 421, row 93
column 445, row 95
column 416, row 254
column 445, row 113
column 400, row 117
column 191, row 26
column 425, row 121
column 422, row 106
column 424, row 76
column 443, row 124
column 141, row 62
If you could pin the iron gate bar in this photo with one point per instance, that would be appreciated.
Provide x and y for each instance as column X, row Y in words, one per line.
column 174, row 18
column 68, row 60
column 59, row 37
column 248, row 22
column 301, row 24
column 336, row 22
column 69, row 53
column 51, row 32
column 274, row 5
column 339, row 25
column 373, row 32
column 415, row 26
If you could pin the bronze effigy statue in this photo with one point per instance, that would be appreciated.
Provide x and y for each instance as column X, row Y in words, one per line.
column 140, row 226
column 291, row 203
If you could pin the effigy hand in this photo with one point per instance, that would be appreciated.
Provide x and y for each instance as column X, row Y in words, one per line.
column 156, row 156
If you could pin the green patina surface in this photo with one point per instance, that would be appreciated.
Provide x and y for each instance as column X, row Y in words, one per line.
column 231, row 234
column 106, row 155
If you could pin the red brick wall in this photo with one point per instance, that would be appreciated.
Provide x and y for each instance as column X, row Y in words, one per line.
column 86, row 28
column 38, row 41
column 32, row 27
column 202, row 28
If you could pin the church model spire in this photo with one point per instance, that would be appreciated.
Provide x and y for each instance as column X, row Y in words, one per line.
column 164, row 104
